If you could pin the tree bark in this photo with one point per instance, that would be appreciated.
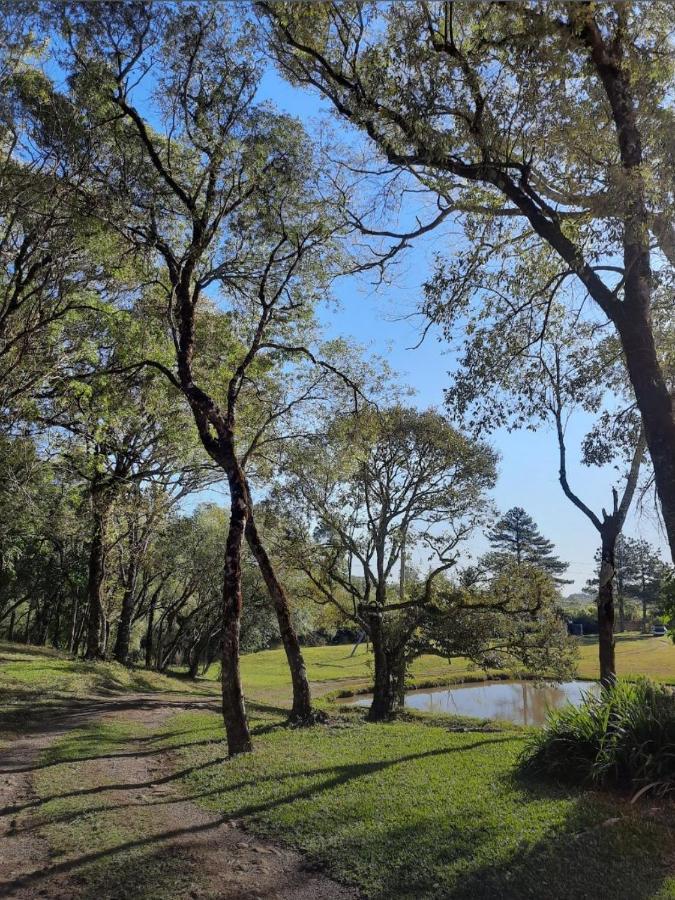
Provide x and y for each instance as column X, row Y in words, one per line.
column 302, row 697
column 122, row 641
column 655, row 405
column 73, row 625
column 606, row 610
column 96, row 578
column 148, row 633
column 387, row 674
column 234, row 710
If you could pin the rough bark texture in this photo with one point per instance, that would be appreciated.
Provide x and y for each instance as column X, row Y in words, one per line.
column 122, row 641
column 234, row 710
column 96, row 579
column 389, row 680
column 302, row 697
column 606, row 610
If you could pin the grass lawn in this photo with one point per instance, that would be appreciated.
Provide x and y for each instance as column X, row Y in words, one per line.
column 333, row 669
column 34, row 673
column 36, row 680
column 414, row 810
column 636, row 654
column 418, row 808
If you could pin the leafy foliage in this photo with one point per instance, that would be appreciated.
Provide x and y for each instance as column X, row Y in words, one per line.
column 623, row 736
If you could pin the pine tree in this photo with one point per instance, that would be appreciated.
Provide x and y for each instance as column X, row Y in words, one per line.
column 516, row 538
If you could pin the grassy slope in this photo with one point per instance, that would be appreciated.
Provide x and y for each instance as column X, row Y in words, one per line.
column 36, row 680
column 29, row 673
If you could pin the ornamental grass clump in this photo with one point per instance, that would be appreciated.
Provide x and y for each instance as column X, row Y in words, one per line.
column 625, row 736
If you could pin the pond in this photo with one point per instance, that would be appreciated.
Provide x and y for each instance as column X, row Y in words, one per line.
column 522, row 702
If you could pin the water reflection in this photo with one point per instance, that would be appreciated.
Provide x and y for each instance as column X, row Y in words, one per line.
column 523, row 702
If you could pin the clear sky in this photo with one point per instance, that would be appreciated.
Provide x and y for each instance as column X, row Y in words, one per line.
column 376, row 318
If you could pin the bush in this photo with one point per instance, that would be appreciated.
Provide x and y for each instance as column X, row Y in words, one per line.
column 624, row 736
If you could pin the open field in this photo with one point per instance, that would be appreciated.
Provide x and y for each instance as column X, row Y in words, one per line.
column 333, row 669
column 133, row 795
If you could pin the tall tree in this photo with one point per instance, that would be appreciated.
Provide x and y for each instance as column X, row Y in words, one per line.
column 224, row 196
column 543, row 128
column 375, row 486
column 515, row 538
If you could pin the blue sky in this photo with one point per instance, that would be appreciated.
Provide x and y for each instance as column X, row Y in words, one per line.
column 376, row 319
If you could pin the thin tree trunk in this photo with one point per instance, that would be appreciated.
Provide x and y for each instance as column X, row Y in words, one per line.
column 80, row 630
column 606, row 611
column 148, row 633
column 122, row 641
column 96, row 578
column 73, row 625
column 302, row 697
column 10, row 633
column 234, row 710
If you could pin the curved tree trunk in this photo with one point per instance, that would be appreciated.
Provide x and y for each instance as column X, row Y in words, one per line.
column 302, row 697
column 606, row 611
column 655, row 405
column 234, row 710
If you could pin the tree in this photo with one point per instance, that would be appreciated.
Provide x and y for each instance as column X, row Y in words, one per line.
column 542, row 129
column 642, row 573
column 57, row 259
column 225, row 195
column 516, row 538
column 376, row 485
column 572, row 367
column 510, row 622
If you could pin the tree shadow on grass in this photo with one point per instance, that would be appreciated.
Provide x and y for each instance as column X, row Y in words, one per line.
column 595, row 853
column 335, row 776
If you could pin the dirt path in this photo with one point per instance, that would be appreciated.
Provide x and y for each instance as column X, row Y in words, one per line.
column 209, row 856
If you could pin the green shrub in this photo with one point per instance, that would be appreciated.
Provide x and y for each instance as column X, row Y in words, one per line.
column 623, row 736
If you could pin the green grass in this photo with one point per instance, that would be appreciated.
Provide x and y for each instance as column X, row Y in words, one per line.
column 415, row 810
column 29, row 673
column 35, row 681
column 106, row 848
column 636, row 654
column 333, row 670
column 425, row 807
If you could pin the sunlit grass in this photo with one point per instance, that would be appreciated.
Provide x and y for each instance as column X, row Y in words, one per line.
column 411, row 810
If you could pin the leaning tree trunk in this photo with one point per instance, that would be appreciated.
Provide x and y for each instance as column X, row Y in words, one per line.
column 653, row 398
column 96, row 580
column 234, row 710
column 302, row 697
column 606, row 611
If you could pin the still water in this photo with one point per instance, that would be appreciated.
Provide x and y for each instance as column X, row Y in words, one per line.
column 523, row 702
